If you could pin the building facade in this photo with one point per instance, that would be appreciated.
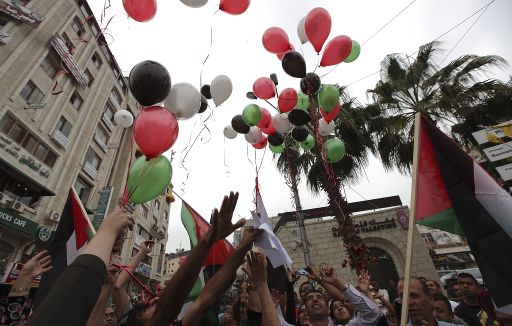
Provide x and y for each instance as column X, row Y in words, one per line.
column 384, row 233
column 172, row 263
column 60, row 87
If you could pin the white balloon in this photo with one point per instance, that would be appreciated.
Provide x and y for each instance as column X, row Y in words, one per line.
column 324, row 128
column 229, row 132
column 184, row 100
column 221, row 88
column 254, row 135
column 123, row 118
column 194, row 3
column 302, row 32
column 281, row 123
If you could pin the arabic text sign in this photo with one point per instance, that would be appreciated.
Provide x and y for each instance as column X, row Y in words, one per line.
column 499, row 152
column 60, row 46
column 481, row 135
column 368, row 226
column 14, row 9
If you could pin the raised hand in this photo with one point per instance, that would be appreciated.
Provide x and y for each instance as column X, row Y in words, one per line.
column 221, row 220
column 364, row 281
column 258, row 264
column 111, row 276
column 40, row 263
column 118, row 221
column 147, row 246
column 312, row 275
column 249, row 236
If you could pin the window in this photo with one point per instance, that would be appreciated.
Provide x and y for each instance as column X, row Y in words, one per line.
column 77, row 26
column 63, row 126
column 101, row 136
column 17, row 132
column 155, row 220
column 428, row 238
column 93, row 159
column 143, row 233
column 116, row 96
column 156, row 208
column 69, row 43
column 144, row 211
column 83, row 189
column 76, row 100
column 108, row 115
column 31, row 93
column 89, row 75
column 50, row 65
column 19, row 190
column 96, row 60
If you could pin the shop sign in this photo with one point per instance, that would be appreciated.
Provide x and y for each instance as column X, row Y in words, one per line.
column 143, row 269
column 505, row 171
column 62, row 50
column 13, row 271
column 482, row 136
column 45, row 234
column 499, row 152
column 102, row 207
column 22, row 156
column 365, row 226
column 17, row 222
column 15, row 9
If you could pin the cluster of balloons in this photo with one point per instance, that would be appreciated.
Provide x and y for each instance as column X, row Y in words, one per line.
column 260, row 128
column 314, row 28
column 233, row 7
column 144, row 10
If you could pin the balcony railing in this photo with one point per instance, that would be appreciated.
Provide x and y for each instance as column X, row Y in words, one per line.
column 59, row 138
column 90, row 170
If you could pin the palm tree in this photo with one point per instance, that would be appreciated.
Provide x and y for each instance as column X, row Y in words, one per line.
column 446, row 96
column 330, row 178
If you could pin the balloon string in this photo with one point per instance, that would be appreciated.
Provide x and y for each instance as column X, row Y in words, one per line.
column 318, row 63
column 264, row 152
column 330, row 71
column 226, row 167
column 209, row 50
column 124, row 198
column 272, row 105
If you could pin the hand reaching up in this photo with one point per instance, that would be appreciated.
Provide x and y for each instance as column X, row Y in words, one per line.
column 258, row 265
column 221, row 220
column 40, row 263
column 249, row 236
column 117, row 222
column 364, row 281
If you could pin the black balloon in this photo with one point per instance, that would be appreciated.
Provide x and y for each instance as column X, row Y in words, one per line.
column 251, row 96
column 310, row 84
column 300, row 133
column 239, row 125
column 150, row 82
column 204, row 104
column 294, row 64
column 205, row 91
column 275, row 139
column 273, row 77
column 299, row 117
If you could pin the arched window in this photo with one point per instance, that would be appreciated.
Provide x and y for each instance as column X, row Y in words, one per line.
column 383, row 270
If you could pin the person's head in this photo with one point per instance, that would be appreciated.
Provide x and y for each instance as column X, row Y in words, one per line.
column 110, row 317
column 303, row 316
column 226, row 320
column 140, row 313
column 339, row 312
column 304, row 289
column 468, row 286
column 420, row 306
column 442, row 308
column 434, row 287
column 316, row 306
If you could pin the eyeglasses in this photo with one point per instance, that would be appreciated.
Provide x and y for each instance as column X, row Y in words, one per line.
column 305, row 290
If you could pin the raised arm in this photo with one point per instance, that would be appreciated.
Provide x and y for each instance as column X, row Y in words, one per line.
column 258, row 265
column 37, row 265
column 177, row 290
column 221, row 281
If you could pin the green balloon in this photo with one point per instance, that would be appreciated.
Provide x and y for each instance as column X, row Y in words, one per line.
column 328, row 97
column 276, row 149
column 251, row 115
column 334, row 150
column 309, row 143
column 303, row 101
column 354, row 54
column 148, row 179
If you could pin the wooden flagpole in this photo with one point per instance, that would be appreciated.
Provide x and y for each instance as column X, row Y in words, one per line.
column 412, row 219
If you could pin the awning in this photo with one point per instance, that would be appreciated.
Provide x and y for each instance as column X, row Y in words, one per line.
column 23, row 178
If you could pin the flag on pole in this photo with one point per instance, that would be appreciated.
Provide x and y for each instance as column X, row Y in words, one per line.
column 455, row 194
column 73, row 233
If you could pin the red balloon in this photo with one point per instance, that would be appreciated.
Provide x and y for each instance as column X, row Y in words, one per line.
column 155, row 131
column 264, row 88
column 287, row 100
column 337, row 50
column 261, row 144
column 281, row 55
column 331, row 115
column 275, row 40
column 266, row 118
column 234, row 7
column 269, row 130
column 140, row 10
column 317, row 27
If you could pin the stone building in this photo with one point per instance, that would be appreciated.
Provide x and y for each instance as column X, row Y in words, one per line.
column 172, row 263
column 383, row 230
column 60, row 87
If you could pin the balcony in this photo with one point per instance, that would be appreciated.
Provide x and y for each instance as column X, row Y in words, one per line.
column 90, row 170
column 108, row 122
column 60, row 139
column 114, row 102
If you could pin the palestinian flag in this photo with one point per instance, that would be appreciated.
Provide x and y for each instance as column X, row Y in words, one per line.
column 455, row 194
column 197, row 227
column 72, row 235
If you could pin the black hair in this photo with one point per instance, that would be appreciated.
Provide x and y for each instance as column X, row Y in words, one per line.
column 467, row 275
column 440, row 297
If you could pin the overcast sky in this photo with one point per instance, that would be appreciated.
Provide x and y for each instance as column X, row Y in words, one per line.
column 179, row 38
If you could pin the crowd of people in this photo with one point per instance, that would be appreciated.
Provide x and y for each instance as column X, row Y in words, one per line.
column 92, row 290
